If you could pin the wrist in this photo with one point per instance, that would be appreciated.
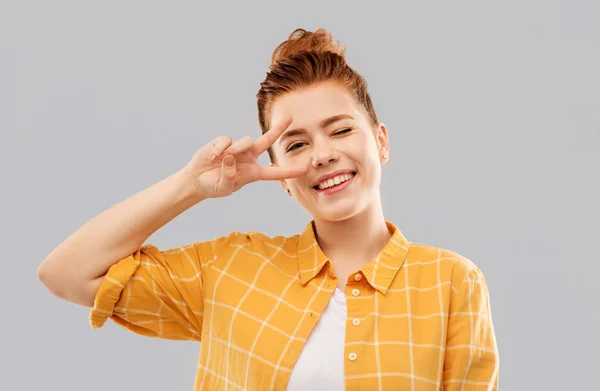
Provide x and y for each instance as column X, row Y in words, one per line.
column 188, row 187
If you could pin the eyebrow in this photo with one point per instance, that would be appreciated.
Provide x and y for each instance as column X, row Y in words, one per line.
column 323, row 124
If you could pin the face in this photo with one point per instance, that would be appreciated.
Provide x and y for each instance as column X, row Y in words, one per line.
column 331, row 134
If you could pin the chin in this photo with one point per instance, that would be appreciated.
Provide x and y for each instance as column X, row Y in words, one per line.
column 341, row 209
column 338, row 212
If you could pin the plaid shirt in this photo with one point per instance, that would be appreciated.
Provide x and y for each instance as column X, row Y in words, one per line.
column 418, row 318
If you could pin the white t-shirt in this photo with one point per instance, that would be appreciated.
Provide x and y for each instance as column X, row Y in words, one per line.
column 320, row 365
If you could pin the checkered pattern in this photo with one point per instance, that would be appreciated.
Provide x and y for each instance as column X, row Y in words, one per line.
column 419, row 317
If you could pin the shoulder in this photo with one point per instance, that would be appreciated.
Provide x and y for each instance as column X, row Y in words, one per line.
column 452, row 265
column 251, row 242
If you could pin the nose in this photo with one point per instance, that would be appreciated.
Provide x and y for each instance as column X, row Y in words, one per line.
column 322, row 155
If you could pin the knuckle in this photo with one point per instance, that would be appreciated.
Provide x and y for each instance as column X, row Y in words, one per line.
column 223, row 139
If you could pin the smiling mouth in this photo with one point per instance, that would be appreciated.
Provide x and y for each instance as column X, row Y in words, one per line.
column 327, row 185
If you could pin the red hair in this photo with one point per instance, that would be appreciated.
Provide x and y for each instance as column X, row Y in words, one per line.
column 306, row 58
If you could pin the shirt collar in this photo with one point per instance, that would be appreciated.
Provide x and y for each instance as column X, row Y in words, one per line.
column 379, row 272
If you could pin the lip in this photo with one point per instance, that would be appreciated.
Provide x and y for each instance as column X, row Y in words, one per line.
column 338, row 188
column 332, row 175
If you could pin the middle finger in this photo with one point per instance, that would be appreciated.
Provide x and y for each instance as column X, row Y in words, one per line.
column 241, row 145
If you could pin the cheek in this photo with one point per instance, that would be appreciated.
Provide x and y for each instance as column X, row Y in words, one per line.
column 296, row 183
column 364, row 151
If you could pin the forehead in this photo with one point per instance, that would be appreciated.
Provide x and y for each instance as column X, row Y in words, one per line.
column 310, row 105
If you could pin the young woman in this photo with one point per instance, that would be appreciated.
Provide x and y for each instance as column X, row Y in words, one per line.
column 348, row 304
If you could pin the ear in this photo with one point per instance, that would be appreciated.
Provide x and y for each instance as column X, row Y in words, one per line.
column 383, row 145
column 282, row 183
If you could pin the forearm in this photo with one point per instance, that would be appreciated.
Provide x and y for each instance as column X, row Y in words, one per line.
column 116, row 233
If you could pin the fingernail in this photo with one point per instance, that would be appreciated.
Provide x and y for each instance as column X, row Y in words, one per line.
column 212, row 158
column 229, row 161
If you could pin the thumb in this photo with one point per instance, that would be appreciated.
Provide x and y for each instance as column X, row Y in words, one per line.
column 227, row 179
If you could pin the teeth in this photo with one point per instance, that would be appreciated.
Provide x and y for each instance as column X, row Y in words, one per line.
column 334, row 181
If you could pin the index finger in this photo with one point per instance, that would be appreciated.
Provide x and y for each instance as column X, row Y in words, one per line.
column 271, row 135
column 276, row 173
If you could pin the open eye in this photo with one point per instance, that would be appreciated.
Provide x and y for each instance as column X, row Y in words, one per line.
column 294, row 146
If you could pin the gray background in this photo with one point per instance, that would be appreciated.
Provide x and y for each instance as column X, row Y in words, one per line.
column 494, row 118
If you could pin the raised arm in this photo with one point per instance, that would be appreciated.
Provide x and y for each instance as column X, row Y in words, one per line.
column 75, row 270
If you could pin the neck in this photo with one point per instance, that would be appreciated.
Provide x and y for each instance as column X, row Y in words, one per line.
column 352, row 243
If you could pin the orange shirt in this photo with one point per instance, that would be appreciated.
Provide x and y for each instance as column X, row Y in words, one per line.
column 419, row 317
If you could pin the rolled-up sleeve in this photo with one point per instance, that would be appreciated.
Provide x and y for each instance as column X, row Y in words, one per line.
column 154, row 293
column 471, row 359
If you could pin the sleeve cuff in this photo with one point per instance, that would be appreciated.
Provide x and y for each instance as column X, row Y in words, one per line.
column 110, row 290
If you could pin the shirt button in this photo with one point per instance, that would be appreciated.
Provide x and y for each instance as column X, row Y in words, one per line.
column 355, row 292
column 352, row 356
column 356, row 322
column 357, row 277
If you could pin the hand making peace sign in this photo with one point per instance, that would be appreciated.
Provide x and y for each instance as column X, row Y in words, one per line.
column 222, row 166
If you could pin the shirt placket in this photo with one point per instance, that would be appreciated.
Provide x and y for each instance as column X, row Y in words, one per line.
column 358, row 310
column 307, row 323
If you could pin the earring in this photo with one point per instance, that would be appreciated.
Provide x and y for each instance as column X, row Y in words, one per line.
column 288, row 191
column 384, row 155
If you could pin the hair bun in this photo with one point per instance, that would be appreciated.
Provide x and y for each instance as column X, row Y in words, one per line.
column 302, row 40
